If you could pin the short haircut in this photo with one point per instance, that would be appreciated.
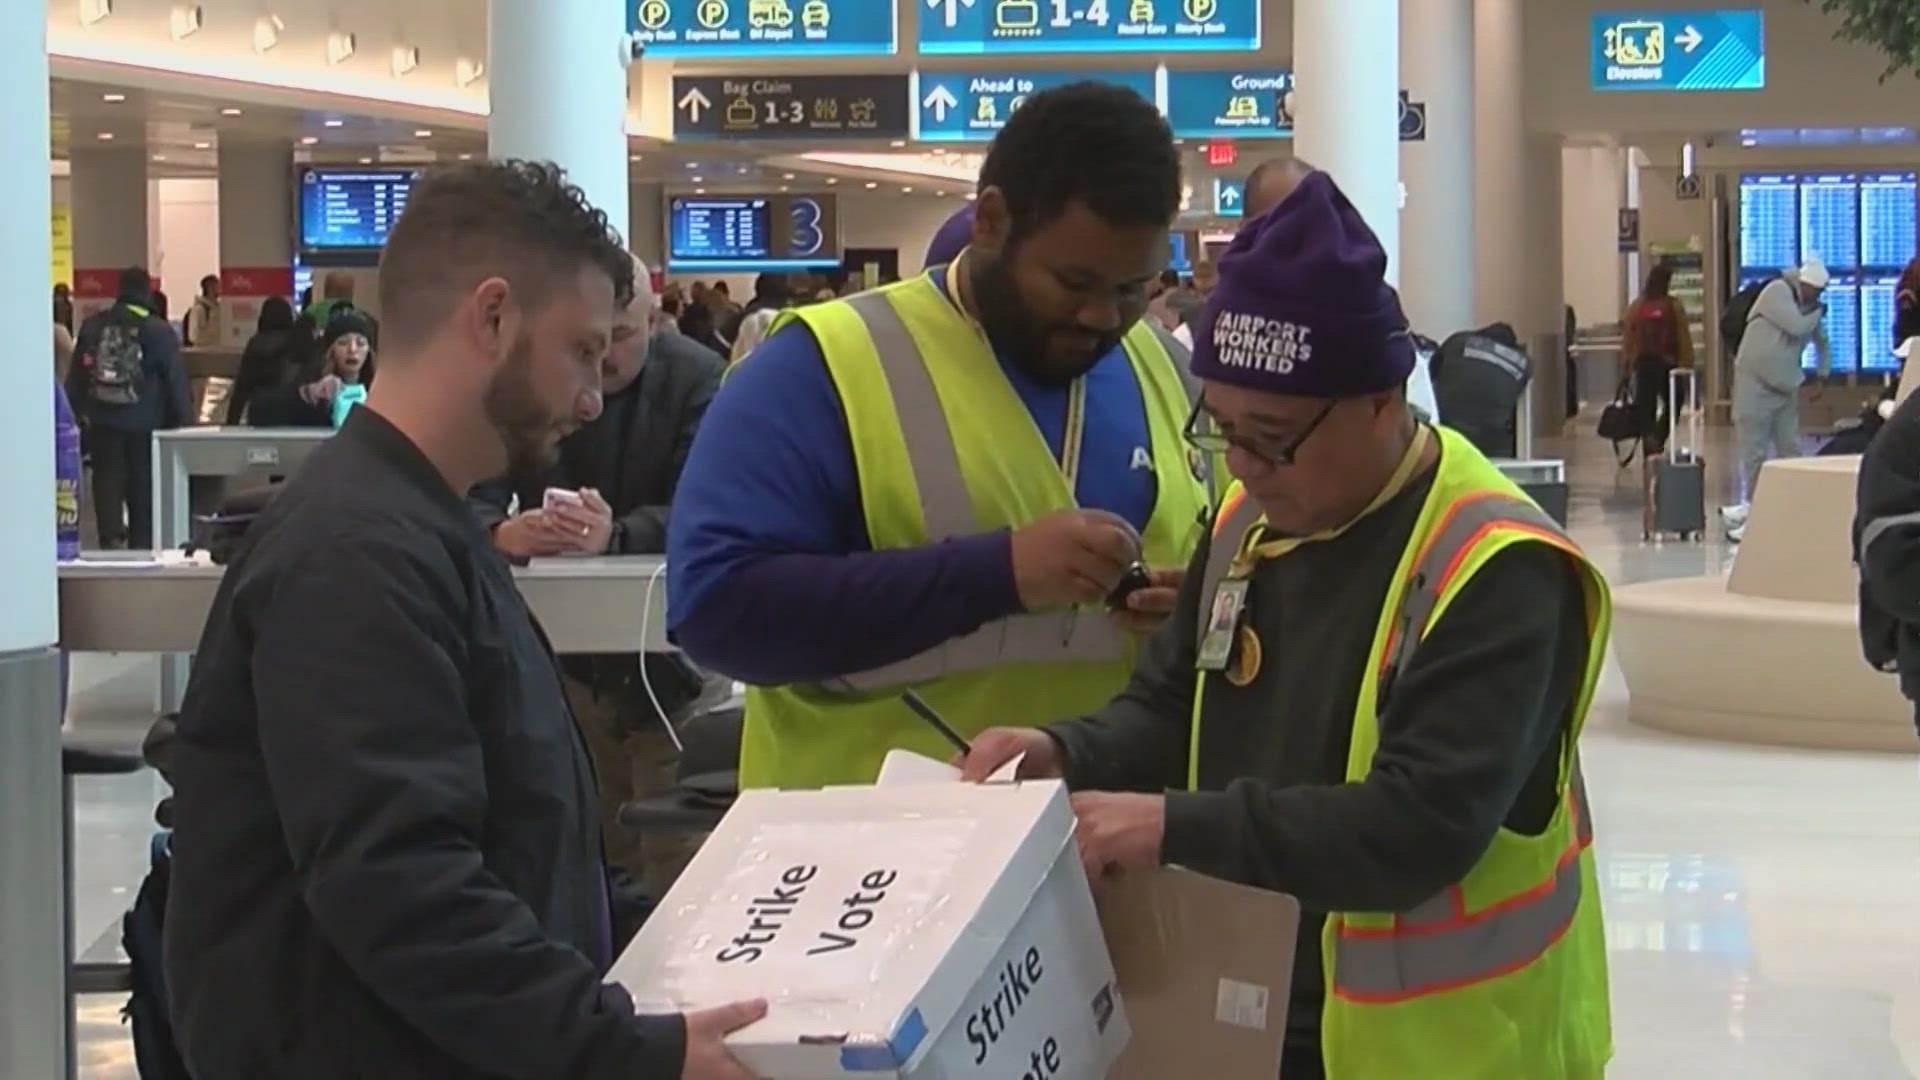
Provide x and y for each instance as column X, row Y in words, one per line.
column 210, row 279
column 1271, row 182
column 1089, row 142
column 135, row 284
column 518, row 220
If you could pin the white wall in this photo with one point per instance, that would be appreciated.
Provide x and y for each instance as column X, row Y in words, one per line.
column 183, row 236
column 1595, row 179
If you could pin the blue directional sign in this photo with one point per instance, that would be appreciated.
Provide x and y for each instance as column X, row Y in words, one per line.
column 1229, row 197
column 763, row 27
column 970, row 106
column 1679, row 50
column 1104, row 26
column 1228, row 104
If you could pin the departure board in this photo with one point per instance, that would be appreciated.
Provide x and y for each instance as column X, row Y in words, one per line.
column 1769, row 239
column 1843, row 327
column 1876, row 324
column 1830, row 219
column 1888, row 225
column 720, row 230
column 351, row 209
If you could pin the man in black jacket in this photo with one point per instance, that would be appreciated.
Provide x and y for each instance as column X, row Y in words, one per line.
column 1886, row 546
column 386, row 862
column 625, row 466
column 120, row 409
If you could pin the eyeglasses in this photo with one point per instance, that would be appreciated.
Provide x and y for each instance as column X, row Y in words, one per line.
column 1203, row 433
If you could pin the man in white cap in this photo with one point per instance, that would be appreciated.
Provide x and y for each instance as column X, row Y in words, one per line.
column 1787, row 315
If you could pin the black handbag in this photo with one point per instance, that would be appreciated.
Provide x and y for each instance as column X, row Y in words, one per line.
column 1620, row 421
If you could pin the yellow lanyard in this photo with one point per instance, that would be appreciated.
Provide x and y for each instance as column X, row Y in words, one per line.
column 1072, row 436
column 1251, row 553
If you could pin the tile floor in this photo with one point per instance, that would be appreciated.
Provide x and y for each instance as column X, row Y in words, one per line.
column 1763, row 905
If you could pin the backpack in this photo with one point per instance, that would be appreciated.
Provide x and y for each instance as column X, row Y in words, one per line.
column 156, row 1054
column 1739, row 313
column 1660, row 332
column 119, row 363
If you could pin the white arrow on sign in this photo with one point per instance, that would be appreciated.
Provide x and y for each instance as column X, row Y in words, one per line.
column 1690, row 38
column 1229, row 195
column 940, row 101
column 952, row 9
column 693, row 101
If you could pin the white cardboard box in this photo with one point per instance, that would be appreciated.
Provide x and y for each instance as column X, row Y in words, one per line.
column 932, row 931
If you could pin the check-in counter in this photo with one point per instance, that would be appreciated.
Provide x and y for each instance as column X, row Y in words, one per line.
column 1543, row 479
column 599, row 605
column 244, row 453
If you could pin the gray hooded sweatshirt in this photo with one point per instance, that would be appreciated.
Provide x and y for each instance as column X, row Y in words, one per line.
column 1777, row 334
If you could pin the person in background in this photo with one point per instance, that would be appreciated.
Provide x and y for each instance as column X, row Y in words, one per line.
column 344, row 357
column 272, row 356
column 1906, row 305
column 1886, row 546
column 127, row 382
column 963, row 537
column 386, row 861
column 1787, row 316
column 62, row 353
column 63, row 305
column 1370, row 696
column 306, row 300
column 696, row 322
column 772, row 294
column 202, row 325
column 162, row 308
column 673, row 301
column 1658, row 339
column 336, row 290
column 1161, row 306
column 625, row 467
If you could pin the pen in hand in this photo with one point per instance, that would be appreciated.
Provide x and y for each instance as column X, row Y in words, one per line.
column 925, row 712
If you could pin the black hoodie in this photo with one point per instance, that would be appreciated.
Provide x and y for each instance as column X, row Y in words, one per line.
column 1886, row 546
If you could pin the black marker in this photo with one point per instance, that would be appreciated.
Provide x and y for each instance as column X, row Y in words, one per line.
column 925, row 712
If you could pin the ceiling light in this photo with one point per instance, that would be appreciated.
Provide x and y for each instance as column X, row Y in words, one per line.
column 467, row 71
column 699, row 179
column 833, row 179
column 105, row 136
column 230, row 110
column 897, row 143
column 906, row 191
column 203, row 146
column 113, row 99
column 335, row 123
column 266, row 32
column 423, row 133
column 340, row 45
column 309, row 140
column 633, row 157
column 871, row 184
column 783, row 187
column 92, row 11
column 405, row 58
column 972, row 196
column 185, row 20
column 786, row 176
column 466, row 157
column 159, row 157
column 939, row 194
column 699, row 191
column 693, row 164
column 366, row 161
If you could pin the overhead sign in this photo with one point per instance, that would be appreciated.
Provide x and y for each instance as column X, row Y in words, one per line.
column 791, row 106
column 1227, row 104
column 752, row 232
column 1229, row 197
column 1413, row 119
column 762, row 27
column 1104, row 26
column 1679, row 50
column 963, row 106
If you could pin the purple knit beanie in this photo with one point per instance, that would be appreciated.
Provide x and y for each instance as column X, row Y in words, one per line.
column 953, row 236
column 1303, row 307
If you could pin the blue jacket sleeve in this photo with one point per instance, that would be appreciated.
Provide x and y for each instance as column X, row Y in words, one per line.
column 772, row 578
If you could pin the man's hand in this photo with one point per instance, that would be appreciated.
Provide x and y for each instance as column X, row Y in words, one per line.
column 1119, row 831
column 995, row 747
column 1073, row 557
column 707, row 1057
column 1149, row 607
column 533, row 535
column 588, row 524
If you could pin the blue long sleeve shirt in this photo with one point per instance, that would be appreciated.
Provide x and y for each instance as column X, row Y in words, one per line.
column 772, row 578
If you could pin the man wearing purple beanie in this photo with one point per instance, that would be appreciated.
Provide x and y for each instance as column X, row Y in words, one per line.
column 1370, row 695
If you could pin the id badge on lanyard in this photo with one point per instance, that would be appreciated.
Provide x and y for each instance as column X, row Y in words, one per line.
column 1228, row 607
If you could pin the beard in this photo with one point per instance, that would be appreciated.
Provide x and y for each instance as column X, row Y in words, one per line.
column 1022, row 337
column 513, row 410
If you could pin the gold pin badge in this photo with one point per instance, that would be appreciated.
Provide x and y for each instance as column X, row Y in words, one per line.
column 1246, row 658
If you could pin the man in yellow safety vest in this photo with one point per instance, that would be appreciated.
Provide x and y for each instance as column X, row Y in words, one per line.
column 937, row 485
column 1370, row 695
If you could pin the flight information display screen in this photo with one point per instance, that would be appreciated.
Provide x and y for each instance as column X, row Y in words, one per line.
column 1876, row 324
column 351, row 209
column 1830, row 219
column 1769, row 209
column 720, row 230
column 1888, row 226
column 1843, row 328
column 752, row 232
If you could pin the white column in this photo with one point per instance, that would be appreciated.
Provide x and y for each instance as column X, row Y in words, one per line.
column 256, row 231
column 1542, row 322
column 1437, row 239
column 1347, row 68
column 32, row 889
column 110, row 202
column 1501, row 259
column 559, row 92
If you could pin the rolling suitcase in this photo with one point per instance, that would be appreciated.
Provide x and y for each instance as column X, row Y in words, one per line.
column 1679, row 496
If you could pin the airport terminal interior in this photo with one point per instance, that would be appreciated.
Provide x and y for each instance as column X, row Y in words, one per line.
column 1527, row 165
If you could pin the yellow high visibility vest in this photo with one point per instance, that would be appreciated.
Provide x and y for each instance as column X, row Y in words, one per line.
column 944, row 447
column 1503, row 975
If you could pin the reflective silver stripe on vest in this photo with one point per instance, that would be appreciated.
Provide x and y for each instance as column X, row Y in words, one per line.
column 1510, row 361
column 1422, row 594
column 947, row 507
column 1436, row 946
column 1878, row 527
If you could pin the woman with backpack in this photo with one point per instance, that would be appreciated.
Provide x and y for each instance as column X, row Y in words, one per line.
column 1658, row 340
